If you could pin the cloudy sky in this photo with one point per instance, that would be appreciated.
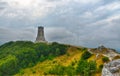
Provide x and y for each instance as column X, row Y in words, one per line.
column 78, row 22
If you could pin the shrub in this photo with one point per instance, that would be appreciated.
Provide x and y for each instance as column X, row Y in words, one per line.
column 22, row 72
column 86, row 55
column 100, row 67
column 86, row 68
column 33, row 71
column 105, row 59
column 62, row 70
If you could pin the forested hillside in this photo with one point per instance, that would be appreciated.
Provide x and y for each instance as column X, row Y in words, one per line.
column 18, row 55
column 28, row 58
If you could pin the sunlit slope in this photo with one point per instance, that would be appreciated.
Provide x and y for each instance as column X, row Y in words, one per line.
column 25, row 58
column 72, row 57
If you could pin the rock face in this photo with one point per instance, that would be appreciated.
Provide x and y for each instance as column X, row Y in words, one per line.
column 110, row 53
column 112, row 68
column 40, row 35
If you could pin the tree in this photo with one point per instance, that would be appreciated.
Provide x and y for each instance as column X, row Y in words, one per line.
column 93, row 67
column 86, row 55
column 86, row 68
column 105, row 59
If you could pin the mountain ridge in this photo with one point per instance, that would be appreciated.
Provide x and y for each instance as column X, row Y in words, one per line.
column 26, row 54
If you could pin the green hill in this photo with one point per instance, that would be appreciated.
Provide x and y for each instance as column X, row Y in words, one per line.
column 25, row 58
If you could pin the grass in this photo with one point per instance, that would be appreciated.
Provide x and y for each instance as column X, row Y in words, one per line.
column 72, row 57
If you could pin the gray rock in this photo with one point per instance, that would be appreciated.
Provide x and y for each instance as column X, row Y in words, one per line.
column 118, row 66
column 112, row 68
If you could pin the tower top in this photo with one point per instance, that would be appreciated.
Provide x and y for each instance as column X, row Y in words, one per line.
column 40, row 27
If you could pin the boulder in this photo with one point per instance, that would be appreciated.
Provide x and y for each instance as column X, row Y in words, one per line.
column 112, row 68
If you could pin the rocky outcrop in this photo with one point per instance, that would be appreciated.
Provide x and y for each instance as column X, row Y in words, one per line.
column 110, row 53
column 112, row 68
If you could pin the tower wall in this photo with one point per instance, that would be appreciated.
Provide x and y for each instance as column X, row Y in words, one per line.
column 40, row 35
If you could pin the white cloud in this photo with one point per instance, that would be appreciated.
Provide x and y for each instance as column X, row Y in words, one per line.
column 20, row 3
column 87, row 1
column 31, row 8
column 107, row 21
column 87, row 15
column 109, row 7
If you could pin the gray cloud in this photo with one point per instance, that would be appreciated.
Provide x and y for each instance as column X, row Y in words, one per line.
column 86, row 22
column 3, row 5
column 7, row 34
column 60, row 35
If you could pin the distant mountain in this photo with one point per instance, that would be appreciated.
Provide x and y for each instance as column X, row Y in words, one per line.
column 25, row 58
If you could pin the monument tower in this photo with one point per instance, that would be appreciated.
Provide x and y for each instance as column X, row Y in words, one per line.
column 40, row 35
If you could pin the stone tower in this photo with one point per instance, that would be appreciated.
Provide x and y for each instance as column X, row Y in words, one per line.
column 40, row 35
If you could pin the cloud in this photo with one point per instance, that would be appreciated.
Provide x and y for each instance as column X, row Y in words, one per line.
column 108, row 7
column 7, row 34
column 59, row 34
column 79, row 22
column 87, row 1
column 32, row 9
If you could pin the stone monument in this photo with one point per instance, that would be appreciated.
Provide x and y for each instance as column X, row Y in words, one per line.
column 40, row 35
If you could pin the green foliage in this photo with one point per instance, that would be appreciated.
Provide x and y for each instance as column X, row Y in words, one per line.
column 22, row 54
column 82, row 67
column 21, row 72
column 33, row 71
column 105, row 59
column 73, row 63
column 86, row 68
column 84, row 49
column 15, row 56
column 7, row 64
column 93, row 67
column 100, row 68
column 61, row 70
column 86, row 55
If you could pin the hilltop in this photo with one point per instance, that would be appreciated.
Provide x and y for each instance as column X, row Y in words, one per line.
column 110, row 53
column 25, row 58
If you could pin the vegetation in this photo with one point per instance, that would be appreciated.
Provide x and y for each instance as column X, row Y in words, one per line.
column 15, row 56
column 25, row 58
column 86, row 55
column 100, row 68
column 86, row 68
column 61, row 70
column 105, row 59
column 116, row 57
